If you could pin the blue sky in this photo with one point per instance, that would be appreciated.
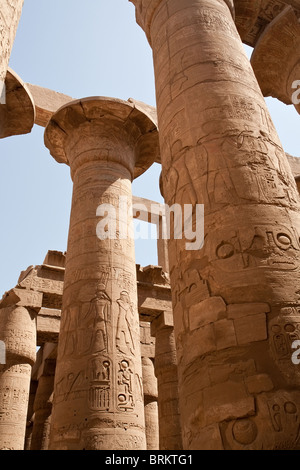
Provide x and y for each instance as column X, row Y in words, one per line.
column 81, row 49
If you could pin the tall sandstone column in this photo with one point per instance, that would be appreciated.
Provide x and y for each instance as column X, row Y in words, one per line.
column 235, row 300
column 165, row 362
column 18, row 332
column 150, row 403
column 43, row 407
column 149, row 386
column 98, row 395
column 10, row 13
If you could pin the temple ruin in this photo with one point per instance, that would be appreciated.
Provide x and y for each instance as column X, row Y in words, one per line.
column 98, row 353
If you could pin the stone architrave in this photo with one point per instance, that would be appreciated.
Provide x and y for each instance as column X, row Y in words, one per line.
column 276, row 59
column 10, row 14
column 162, row 328
column 18, row 333
column 98, row 396
column 235, row 300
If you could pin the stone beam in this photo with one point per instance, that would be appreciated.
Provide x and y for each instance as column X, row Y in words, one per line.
column 146, row 210
column 46, row 102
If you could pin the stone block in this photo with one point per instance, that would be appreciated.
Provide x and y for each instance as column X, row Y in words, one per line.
column 243, row 310
column 225, row 334
column 208, row 438
column 259, row 383
column 205, row 312
column 251, row 328
column 227, row 400
column 201, row 341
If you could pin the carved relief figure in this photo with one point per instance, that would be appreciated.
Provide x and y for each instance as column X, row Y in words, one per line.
column 87, row 325
column 100, row 306
column 124, row 340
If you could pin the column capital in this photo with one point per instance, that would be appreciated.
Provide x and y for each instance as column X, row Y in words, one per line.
column 276, row 59
column 146, row 9
column 17, row 112
column 18, row 332
column 246, row 13
column 101, row 128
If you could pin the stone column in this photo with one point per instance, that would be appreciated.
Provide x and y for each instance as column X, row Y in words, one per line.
column 162, row 328
column 18, row 332
column 43, row 407
column 276, row 59
column 10, row 14
column 236, row 299
column 162, row 247
column 98, row 398
column 149, row 386
column 30, row 414
column 150, row 403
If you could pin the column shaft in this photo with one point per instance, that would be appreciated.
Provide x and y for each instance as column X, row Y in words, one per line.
column 43, row 407
column 167, row 382
column 150, row 402
column 98, row 398
column 99, row 354
column 17, row 331
column 236, row 300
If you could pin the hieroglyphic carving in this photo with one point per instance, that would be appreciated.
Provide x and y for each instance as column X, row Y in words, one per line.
column 276, row 425
column 125, row 387
column 272, row 247
column 72, row 387
column 100, row 391
column 32, row 281
column 284, row 329
column 123, row 278
column 14, row 395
